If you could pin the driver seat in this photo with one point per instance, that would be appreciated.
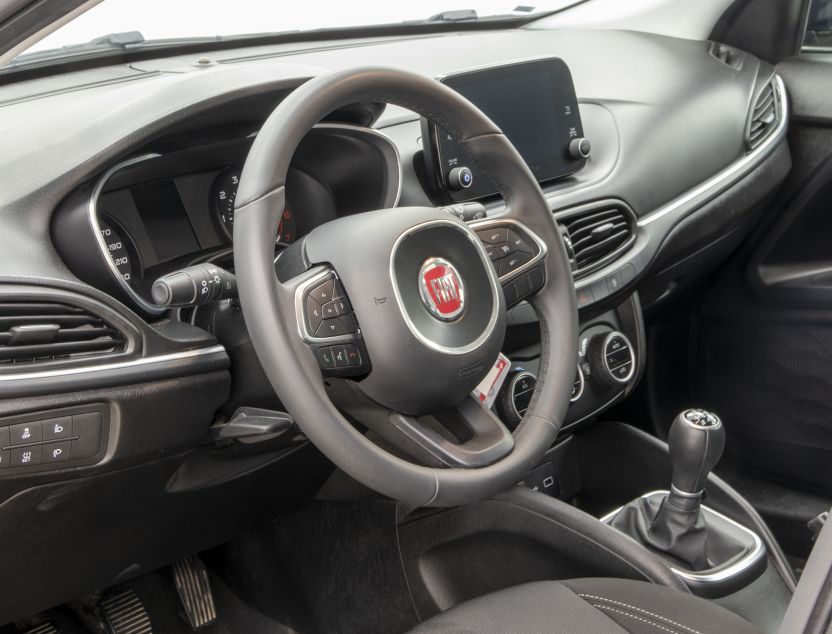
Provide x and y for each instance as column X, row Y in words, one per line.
column 587, row 606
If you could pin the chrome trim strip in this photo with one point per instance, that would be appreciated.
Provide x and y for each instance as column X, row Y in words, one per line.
column 102, row 245
column 574, row 399
column 541, row 245
column 735, row 167
column 111, row 367
column 495, row 288
column 300, row 313
column 757, row 551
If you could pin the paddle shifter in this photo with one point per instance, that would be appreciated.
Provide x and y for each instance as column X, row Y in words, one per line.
column 675, row 524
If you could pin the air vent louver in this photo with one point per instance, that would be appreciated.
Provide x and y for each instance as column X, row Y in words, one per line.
column 599, row 233
column 37, row 331
column 727, row 55
column 763, row 117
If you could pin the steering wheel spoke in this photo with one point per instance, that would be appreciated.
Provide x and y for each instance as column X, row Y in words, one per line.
column 517, row 255
column 467, row 436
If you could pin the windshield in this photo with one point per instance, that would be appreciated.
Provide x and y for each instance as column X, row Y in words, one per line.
column 138, row 22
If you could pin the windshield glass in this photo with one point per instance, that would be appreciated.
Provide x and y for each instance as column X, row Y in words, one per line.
column 137, row 22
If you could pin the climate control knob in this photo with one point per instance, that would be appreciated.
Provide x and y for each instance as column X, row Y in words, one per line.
column 515, row 396
column 613, row 359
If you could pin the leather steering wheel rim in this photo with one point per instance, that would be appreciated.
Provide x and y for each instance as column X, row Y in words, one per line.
column 269, row 307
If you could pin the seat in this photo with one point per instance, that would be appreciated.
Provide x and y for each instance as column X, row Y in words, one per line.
column 587, row 606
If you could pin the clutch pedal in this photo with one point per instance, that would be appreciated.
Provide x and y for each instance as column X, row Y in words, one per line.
column 125, row 614
column 191, row 579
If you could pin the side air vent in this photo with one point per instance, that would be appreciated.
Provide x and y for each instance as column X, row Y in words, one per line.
column 40, row 331
column 727, row 55
column 599, row 233
column 764, row 115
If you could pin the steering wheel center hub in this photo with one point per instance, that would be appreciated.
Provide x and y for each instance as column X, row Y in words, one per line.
column 441, row 289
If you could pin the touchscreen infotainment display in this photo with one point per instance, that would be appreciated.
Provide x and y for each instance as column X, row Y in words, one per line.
column 535, row 106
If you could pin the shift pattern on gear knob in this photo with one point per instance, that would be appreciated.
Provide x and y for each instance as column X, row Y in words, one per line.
column 697, row 440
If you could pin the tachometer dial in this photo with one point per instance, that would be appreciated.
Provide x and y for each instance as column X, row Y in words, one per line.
column 117, row 248
column 225, row 193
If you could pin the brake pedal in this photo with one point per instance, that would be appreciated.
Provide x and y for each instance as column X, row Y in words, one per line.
column 191, row 579
column 125, row 614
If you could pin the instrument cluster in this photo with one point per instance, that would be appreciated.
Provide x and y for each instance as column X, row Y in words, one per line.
column 156, row 213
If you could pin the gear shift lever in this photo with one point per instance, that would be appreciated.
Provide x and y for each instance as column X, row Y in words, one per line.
column 677, row 527
column 696, row 442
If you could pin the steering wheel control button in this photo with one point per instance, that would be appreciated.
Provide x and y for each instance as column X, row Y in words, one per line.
column 314, row 314
column 613, row 358
column 326, row 359
column 57, row 428
column 537, row 277
column 513, row 262
column 441, row 289
column 353, row 355
column 496, row 235
column 519, row 243
column 26, row 433
column 339, row 353
column 323, row 292
column 27, row 456
column 334, row 327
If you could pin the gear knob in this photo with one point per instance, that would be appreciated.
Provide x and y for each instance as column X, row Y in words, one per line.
column 696, row 439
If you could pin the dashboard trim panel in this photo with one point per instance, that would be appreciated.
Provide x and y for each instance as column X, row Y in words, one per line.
column 715, row 181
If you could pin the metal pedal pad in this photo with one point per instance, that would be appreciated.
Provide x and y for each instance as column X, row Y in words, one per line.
column 191, row 579
column 125, row 614
column 43, row 628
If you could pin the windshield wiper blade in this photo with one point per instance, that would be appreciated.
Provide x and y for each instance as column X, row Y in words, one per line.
column 104, row 43
column 126, row 38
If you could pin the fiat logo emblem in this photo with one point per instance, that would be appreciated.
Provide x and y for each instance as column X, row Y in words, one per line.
column 441, row 289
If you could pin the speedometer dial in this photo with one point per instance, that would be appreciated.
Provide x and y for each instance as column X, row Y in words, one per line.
column 225, row 194
column 117, row 249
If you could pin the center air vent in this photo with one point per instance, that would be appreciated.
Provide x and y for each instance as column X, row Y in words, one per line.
column 598, row 233
column 764, row 116
column 40, row 331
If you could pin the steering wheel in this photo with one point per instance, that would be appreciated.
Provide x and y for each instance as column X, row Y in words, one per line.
column 426, row 309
